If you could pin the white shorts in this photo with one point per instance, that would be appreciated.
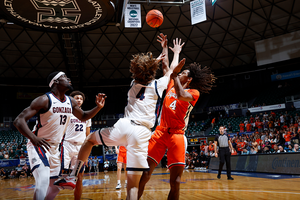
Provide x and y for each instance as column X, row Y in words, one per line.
column 49, row 158
column 69, row 153
column 134, row 137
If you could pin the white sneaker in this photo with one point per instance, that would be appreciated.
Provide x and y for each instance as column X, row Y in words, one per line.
column 119, row 186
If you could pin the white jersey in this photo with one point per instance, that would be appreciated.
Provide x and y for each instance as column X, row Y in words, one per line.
column 143, row 101
column 76, row 130
column 52, row 124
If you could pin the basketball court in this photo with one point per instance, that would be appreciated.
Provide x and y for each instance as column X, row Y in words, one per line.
column 194, row 185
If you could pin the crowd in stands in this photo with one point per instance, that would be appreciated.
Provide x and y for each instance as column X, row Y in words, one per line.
column 13, row 150
column 264, row 133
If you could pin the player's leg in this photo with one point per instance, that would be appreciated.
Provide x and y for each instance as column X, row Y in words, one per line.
column 40, row 168
column 125, row 175
column 78, row 188
column 175, row 179
column 55, row 163
column 156, row 150
column 146, row 177
column 176, row 161
column 119, row 169
column 108, row 136
column 41, row 175
column 137, row 148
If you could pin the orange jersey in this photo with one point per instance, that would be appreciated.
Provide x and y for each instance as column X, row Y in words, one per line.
column 175, row 113
column 122, row 149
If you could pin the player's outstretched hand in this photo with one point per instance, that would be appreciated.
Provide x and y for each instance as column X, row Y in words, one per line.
column 177, row 45
column 41, row 142
column 160, row 57
column 163, row 40
column 178, row 68
column 100, row 100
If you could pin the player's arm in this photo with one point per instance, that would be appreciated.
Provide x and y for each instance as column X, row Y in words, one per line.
column 174, row 65
column 88, row 131
column 86, row 115
column 162, row 39
column 181, row 94
column 40, row 103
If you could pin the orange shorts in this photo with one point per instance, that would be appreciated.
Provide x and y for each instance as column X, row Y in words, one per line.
column 175, row 143
column 122, row 157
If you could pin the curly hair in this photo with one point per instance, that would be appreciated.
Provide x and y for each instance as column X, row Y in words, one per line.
column 143, row 68
column 203, row 79
column 76, row 92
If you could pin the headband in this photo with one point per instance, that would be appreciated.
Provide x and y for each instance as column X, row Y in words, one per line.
column 55, row 78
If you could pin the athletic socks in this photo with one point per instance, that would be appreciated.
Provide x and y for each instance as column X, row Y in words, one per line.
column 119, row 181
column 77, row 168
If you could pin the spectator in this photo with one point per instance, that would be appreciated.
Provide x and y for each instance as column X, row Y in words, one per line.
column 245, row 152
column 281, row 150
column 229, row 127
column 248, row 127
column 3, row 174
column 288, row 137
column 206, row 149
column 266, row 115
column 213, row 121
column 242, row 127
column 6, row 156
column 106, row 165
column 2, row 145
column 203, row 160
column 289, row 149
column 234, row 153
column 240, row 146
column 211, row 147
column 296, row 148
column 19, row 170
column 252, row 151
column 254, row 144
column 195, row 150
column 265, row 150
column 203, row 123
column 275, row 149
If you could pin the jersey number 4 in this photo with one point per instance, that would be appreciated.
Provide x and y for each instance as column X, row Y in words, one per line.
column 173, row 105
column 141, row 93
column 63, row 119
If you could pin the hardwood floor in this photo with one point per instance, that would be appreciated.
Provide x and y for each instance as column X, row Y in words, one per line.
column 195, row 185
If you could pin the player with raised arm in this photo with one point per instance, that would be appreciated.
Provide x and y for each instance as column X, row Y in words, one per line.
column 53, row 110
column 182, row 95
column 134, row 130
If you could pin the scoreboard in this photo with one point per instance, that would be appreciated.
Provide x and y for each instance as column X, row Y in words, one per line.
column 197, row 140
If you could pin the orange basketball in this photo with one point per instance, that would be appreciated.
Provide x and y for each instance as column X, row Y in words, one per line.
column 154, row 18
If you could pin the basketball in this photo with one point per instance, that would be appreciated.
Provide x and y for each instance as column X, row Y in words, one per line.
column 154, row 18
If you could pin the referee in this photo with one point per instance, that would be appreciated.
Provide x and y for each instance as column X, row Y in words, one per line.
column 224, row 143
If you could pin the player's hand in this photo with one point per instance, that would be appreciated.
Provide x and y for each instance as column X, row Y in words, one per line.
column 177, row 45
column 160, row 57
column 100, row 100
column 216, row 155
column 40, row 142
column 163, row 40
column 178, row 68
column 117, row 151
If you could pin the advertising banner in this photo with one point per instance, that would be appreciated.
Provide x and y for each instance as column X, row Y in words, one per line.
column 284, row 76
column 284, row 163
column 267, row 108
column 222, row 107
